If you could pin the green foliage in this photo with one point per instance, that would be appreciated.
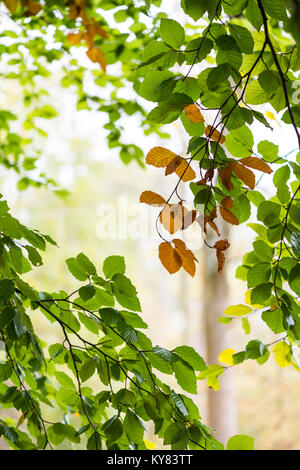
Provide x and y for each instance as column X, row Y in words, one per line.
column 240, row 69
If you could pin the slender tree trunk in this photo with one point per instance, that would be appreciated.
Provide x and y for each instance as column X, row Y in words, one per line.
column 221, row 405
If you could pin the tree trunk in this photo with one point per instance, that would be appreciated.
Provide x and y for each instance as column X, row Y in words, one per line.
column 221, row 405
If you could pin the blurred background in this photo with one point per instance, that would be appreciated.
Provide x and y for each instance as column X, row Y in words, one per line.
column 102, row 216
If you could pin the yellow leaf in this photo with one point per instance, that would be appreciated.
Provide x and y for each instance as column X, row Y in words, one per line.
column 149, row 445
column 226, row 356
column 185, row 172
column 159, row 157
column 237, row 310
column 151, row 198
column 281, row 350
column 187, row 256
column 213, row 382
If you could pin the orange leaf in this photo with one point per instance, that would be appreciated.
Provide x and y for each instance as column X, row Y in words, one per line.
column 74, row 38
column 222, row 245
column 256, row 163
column 11, row 5
column 225, row 176
column 227, row 202
column 187, row 256
column 185, row 172
column 74, row 12
column 159, row 157
column 174, row 163
column 169, row 257
column 229, row 216
column 193, row 113
column 172, row 217
column 214, row 134
column 96, row 55
column 245, row 175
column 221, row 261
column 151, row 198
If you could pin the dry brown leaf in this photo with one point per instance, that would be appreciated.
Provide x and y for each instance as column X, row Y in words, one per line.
column 221, row 261
column 193, row 113
column 227, row 202
column 229, row 216
column 256, row 163
column 159, row 157
column 169, row 257
column 185, row 172
column 11, row 5
column 74, row 38
column 187, row 256
column 188, row 218
column 225, row 176
column 153, row 199
column 172, row 217
column 32, row 7
column 93, row 29
column 245, row 175
column 171, row 167
column 214, row 134
column 96, row 55
column 222, row 245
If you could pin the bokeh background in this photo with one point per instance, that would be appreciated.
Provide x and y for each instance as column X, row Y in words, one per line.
column 261, row 401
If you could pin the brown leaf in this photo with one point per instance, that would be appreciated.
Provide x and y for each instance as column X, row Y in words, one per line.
column 94, row 29
column 173, row 165
column 188, row 218
column 214, row 134
column 193, row 113
column 228, row 216
column 32, row 7
column 222, row 245
column 210, row 221
column 159, row 157
column 221, row 261
column 11, row 5
column 214, row 227
column 153, row 199
column 74, row 12
column 227, row 202
column 187, row 256
column 185, row 172
column 245, row 175
column 172, row 217
column 74, row 38
column 256, row 163
column 96, row 55
column 169, row 257
column 225, row 176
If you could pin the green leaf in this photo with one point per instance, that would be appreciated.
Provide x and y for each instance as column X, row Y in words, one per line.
column 294, row 279
column 240, row 442
column 295, row 242
column 113, row 265
column 243, row 37
column 263, row 251
column 176, row 433
column 87, row 369
column 194, row 8
column 259, row 274
column 76, row 269
column 6, row 316
column 240, row 142
column 172, row 33
column 254, row 15
column 189, row 355
column 268, row 150
column 125, row 293
column 85, row 264
column 5, row 371
column 261, row 293
column 185, row 376
column 87, row 292
column 274, row 320
column 7, row 289
column 275, row 9
column 113, row 429
column 255, row 349
column 133, row 427
column 157, row 86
